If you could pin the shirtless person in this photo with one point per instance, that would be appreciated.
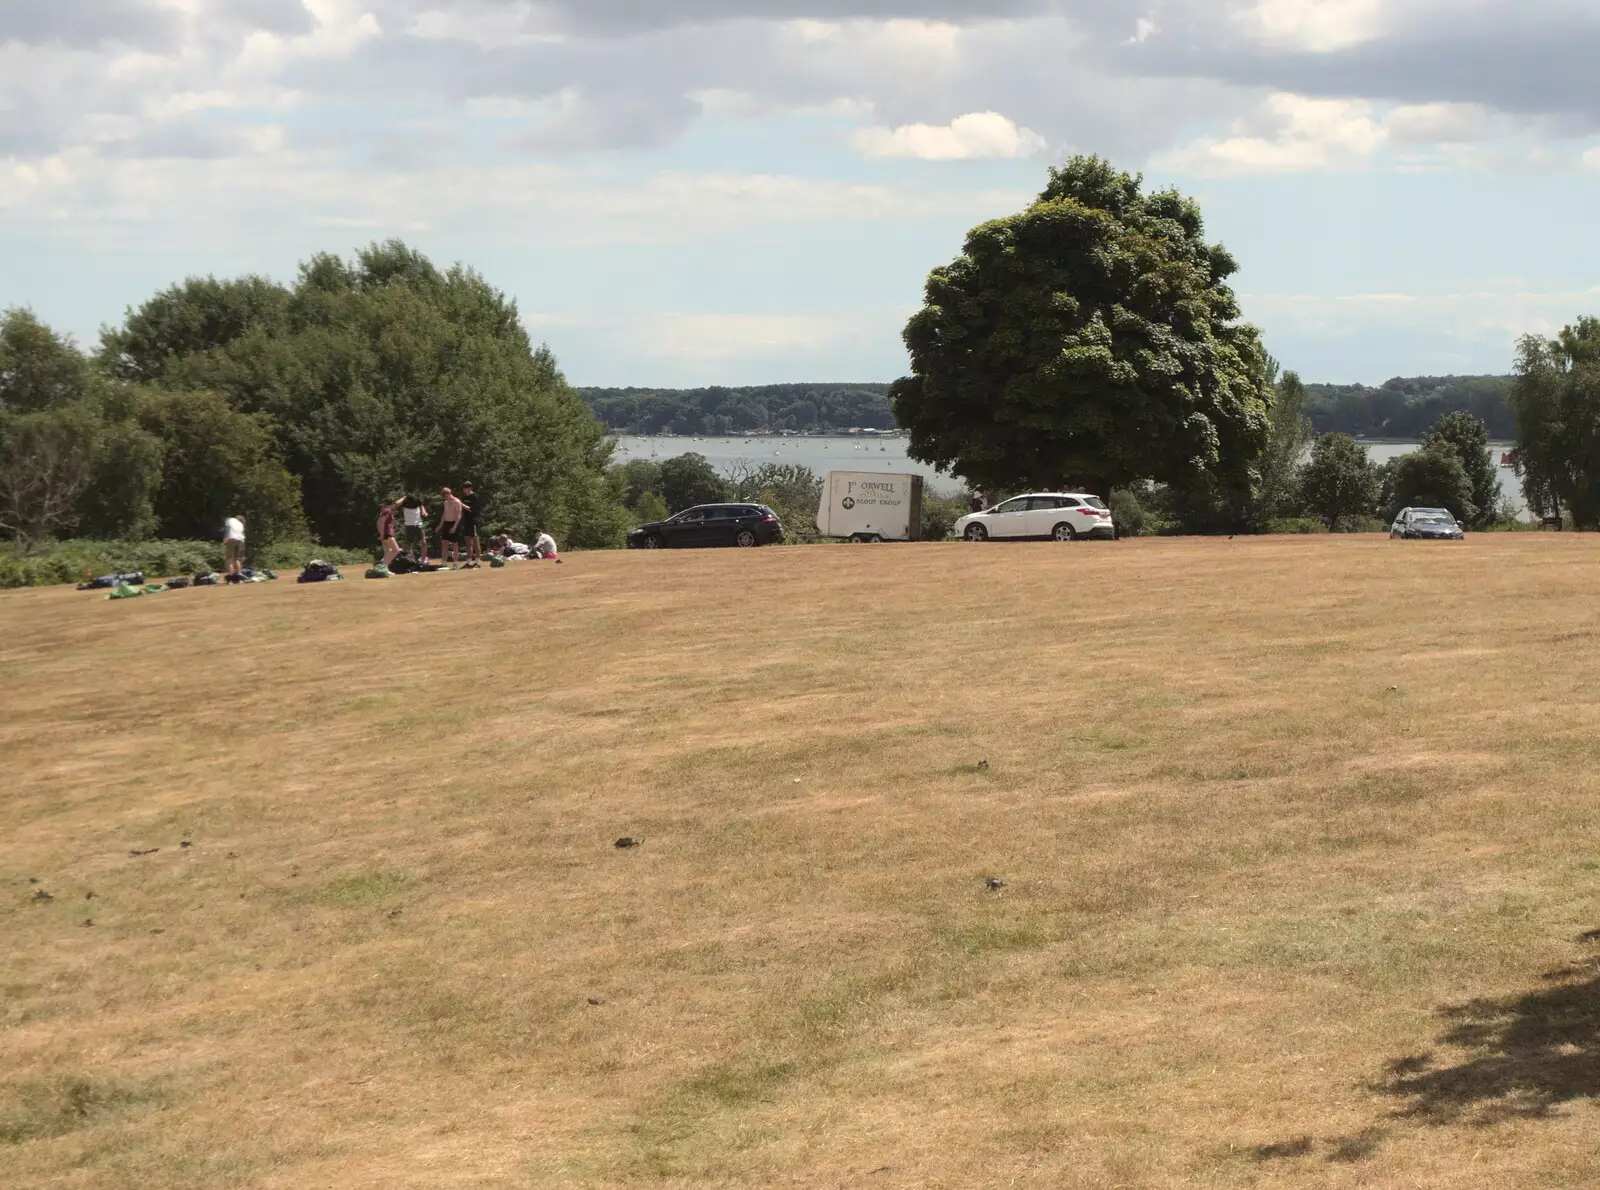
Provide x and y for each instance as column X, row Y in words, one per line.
column 450, row 527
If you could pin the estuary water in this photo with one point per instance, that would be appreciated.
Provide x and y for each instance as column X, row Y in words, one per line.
column 851, row 453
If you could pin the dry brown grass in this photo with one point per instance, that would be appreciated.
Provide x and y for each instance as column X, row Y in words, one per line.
column 1298, row 839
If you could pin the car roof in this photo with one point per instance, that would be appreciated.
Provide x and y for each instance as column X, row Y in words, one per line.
column 1074, row 495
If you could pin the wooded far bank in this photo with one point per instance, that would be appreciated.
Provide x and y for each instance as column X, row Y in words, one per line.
column 1402, row 408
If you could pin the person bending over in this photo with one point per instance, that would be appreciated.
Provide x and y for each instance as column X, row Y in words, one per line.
column 386, row 540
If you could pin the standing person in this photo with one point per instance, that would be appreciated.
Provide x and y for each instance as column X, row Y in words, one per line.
column 544, row 546
column 469, row 524
column 976, row 503
column 412, row 511
column 450, row 527
column 386, row 540
column 233, row 543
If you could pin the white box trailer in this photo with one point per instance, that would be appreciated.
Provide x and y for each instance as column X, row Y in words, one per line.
column 870, row 506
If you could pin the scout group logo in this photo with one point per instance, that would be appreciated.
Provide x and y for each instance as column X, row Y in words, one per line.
column 848, row 503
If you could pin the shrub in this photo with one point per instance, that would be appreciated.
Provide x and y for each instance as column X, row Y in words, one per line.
column 76, row 560
column 1296, row 524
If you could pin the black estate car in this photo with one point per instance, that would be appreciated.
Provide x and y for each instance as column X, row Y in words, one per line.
column 711, row 524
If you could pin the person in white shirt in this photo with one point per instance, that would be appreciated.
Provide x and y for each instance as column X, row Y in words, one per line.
column 412, row 511
column 544, row 546
column 233, row 543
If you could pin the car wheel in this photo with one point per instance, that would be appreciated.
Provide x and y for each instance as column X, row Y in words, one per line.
column 745, row 540
column 653, row 542
column 1064, row 532
column 977, row 533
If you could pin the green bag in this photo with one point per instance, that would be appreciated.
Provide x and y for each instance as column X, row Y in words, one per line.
column 126, row 592
column 155, row 588
column 496, row 563
column 378, row 571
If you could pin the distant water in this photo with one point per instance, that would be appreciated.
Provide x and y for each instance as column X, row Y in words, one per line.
column 889, row 455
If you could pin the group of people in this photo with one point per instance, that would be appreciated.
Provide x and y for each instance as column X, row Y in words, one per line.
column 458, row 526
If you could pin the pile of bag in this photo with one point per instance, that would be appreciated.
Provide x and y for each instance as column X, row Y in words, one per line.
column 107, row 582
column 317, row 571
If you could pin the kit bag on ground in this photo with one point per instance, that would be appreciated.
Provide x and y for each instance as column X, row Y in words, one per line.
column 107, row 582
column 378, row 571
column 207, row 579
column 317, row 571
column 177, row 584
column 126, row 591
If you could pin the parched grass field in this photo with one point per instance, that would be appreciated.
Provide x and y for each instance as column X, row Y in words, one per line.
column 1298, row 843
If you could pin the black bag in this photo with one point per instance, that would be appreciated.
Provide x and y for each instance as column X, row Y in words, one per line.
column 319, row 572
column 206, row 580
column 177, row 584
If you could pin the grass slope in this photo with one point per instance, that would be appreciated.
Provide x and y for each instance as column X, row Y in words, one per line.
column 1297, row 838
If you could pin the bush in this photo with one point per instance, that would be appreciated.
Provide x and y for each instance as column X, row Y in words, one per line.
column 1296, row 524
column 939, row 516
column 1133, row 513
column 77, row 560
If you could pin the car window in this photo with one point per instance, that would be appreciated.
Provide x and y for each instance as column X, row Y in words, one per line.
column 1043, row 503
column 1069, row 502
column 1096, row 502
column 729, row 514
column 694, row 514
column 1020, row 504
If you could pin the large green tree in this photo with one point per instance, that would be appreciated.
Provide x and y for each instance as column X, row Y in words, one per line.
column 1340, row 483
column 1089, row 341
column 1556, row 395
column 381, row 374
column 39, row 369
column 1467, row 437
column 1432, row 477
column 688, row 479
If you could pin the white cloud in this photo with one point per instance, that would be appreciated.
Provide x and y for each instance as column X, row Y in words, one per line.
column 974, row 135
column 1298, row 135
column 1502, row 312
column 1428, row 124
column 1320, row 26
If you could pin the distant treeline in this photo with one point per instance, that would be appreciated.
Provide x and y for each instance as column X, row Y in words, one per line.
column 1400, row 408
column 740, row 410
column 1406, row 406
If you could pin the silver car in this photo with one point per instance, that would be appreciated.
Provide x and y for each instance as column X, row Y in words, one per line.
column 1429, row 524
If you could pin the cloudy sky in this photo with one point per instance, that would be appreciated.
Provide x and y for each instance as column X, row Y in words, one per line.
column 746, row 191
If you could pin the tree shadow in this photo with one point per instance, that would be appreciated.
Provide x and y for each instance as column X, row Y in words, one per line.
column 1514, row 1058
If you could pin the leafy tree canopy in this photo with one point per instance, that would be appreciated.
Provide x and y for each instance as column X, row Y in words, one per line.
column 1468, row 438
column 1556, row 396
column 1340, row 483
column 1090, row 339
column 385, row 374
column 39, row 369
column 1432, row 477
column 689, row 480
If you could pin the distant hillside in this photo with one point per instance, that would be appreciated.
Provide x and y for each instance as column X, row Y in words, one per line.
column 1400, row 408
column 739, row 410
column 1406, row 406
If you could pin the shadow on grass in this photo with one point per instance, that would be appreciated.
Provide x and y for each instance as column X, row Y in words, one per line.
column 1518, row 1057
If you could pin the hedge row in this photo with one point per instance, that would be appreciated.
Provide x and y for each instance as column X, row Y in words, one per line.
column 78, row 560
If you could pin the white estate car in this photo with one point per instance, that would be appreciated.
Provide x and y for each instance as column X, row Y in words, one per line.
column 1064, row 516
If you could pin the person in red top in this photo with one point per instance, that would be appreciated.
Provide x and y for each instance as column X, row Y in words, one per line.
column 386, row 530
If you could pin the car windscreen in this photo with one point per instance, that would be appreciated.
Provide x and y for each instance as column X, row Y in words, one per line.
column 1433, row 518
